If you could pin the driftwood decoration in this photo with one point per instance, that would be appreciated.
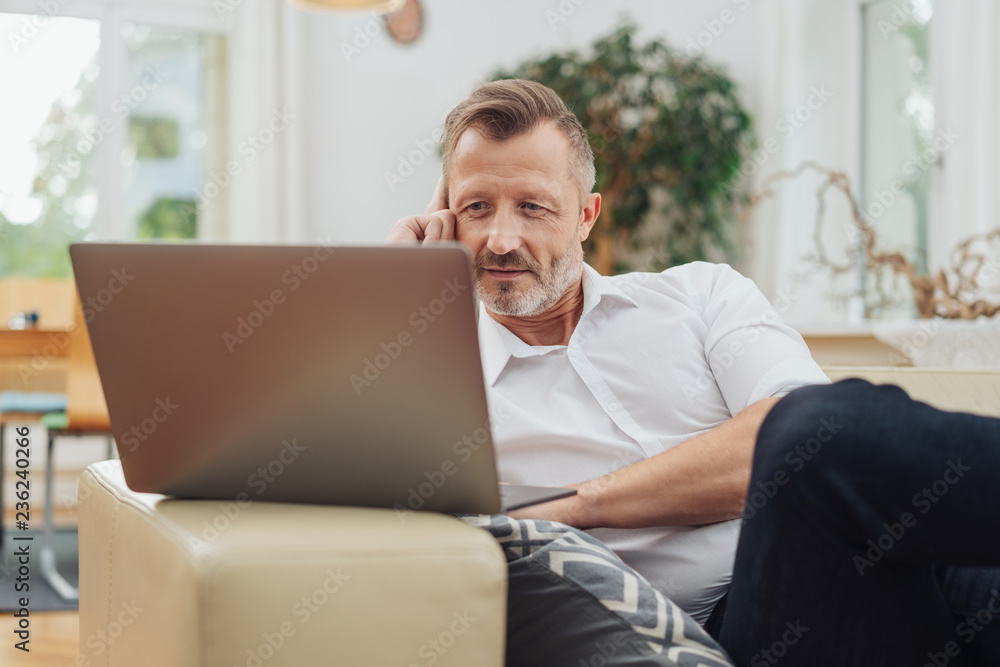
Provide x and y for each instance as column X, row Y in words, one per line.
column 948, row 293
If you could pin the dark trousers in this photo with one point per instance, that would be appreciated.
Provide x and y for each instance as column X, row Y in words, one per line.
column 871, row 535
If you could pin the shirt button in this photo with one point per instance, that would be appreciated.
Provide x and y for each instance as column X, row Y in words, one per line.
column 612, row 406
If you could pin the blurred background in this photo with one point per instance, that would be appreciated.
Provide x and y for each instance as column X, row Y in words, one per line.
column 844, row 154
column 263, row 121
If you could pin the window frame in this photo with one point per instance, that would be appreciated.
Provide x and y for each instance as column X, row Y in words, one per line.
column 195, row 15
column 935, row 193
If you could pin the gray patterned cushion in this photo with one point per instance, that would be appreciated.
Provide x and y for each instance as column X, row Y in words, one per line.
column 573, row 602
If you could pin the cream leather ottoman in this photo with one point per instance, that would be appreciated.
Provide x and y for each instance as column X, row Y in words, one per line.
column 183, row 583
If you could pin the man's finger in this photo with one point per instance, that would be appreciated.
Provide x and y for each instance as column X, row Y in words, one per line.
column 439, row 226
column 407, row 230
column 440, row 199
column 433, row 231
column 447, row 220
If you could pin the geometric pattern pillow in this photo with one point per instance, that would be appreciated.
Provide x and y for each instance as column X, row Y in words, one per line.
column 572, row 601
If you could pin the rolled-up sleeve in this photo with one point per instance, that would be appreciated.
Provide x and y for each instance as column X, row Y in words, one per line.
column 752, row 352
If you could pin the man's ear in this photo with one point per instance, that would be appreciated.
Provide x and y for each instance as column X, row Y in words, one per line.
column 588, row 215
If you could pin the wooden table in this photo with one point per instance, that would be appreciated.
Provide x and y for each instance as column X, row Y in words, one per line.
column 29, row 342
column 45, row 342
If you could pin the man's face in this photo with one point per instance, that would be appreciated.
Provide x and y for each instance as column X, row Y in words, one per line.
column 517, row 208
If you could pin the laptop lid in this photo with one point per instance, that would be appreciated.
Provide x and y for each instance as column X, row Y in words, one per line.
column 339, row 375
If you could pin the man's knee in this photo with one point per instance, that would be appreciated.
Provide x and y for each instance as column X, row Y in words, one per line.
column 821, row 423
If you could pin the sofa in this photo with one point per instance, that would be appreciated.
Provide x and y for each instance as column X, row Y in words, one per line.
column 184, row 583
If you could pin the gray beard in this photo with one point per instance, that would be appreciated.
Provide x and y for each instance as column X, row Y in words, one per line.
column 542, row 295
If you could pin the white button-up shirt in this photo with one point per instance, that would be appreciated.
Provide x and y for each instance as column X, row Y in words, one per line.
column 656, row 359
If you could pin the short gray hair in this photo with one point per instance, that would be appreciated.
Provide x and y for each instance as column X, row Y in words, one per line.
column 505, row 109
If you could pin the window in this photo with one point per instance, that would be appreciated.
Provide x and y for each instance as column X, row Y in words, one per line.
column 48, row 185
column 173, row 95
column 898, row 133
column 120, row 114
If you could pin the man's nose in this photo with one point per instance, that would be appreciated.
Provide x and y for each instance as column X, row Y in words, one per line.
column 505, row 233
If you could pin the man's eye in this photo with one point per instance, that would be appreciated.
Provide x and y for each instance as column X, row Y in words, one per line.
column 533, row 207
column 477, row 206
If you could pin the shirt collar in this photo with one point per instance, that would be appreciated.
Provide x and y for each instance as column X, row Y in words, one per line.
column 498, row 344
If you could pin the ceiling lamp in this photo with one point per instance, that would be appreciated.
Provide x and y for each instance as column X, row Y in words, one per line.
column 404, row 19
column 387, row 6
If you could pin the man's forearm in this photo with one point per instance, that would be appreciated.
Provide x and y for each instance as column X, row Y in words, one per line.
column 703, row 480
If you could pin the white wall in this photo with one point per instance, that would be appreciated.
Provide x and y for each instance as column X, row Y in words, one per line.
column 360, row 118
column 804, row 48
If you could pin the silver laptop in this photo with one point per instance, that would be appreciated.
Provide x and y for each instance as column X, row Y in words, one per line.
column 312, row 374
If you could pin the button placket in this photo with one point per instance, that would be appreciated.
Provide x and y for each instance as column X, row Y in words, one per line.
column 607, row 400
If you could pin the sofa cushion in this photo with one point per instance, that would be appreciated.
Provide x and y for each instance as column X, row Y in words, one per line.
column 573, row 602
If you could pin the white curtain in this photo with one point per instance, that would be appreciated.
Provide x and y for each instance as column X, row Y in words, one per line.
column 808, row 44
column 808, row 111
column 264, row 200
column 968, row 102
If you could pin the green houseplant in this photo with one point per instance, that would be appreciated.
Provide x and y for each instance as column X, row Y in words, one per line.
column 669, row 135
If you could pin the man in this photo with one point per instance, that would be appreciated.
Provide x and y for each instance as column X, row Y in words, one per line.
column 650, row 387
column 646, row 392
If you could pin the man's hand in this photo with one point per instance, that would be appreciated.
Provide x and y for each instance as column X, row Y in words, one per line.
column 703, row 480
column 436, row 224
